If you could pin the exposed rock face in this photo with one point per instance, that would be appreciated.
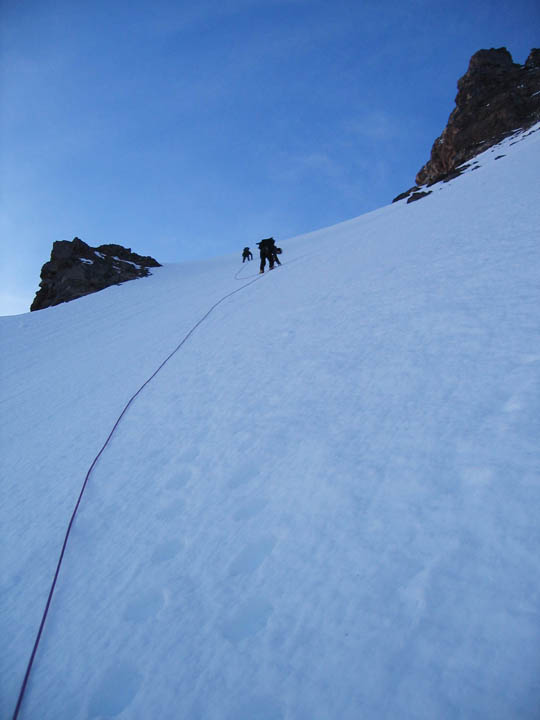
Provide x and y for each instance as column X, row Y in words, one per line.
column 417, row 196
column 495, row 97
column 76, row 269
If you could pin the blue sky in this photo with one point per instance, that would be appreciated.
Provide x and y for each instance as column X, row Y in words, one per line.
column 190, row 129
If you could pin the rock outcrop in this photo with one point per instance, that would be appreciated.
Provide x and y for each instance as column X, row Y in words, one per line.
column 495, row 97
column 76, row 269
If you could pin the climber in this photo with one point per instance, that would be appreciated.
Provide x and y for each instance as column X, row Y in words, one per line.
column 268, row 251
column 246, row 255
column 275, row 251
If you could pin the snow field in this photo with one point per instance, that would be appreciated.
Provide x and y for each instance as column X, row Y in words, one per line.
column 324, row 506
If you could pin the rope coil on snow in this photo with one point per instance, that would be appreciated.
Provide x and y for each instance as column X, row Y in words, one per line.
column 94, row 462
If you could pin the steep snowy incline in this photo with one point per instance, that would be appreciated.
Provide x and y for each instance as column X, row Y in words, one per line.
column 324, row 506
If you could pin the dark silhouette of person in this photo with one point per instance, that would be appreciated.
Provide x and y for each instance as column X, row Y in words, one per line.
column 276, row 251
column 246, row 255
column 268, row 251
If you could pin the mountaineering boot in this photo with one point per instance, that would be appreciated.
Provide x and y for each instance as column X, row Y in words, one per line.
column 261, row 272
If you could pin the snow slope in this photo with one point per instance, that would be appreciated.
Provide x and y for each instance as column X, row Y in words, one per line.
column 326, row 505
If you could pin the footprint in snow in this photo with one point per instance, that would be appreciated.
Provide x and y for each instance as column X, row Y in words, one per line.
column 243, row 474
column 248, row 620
column 172, row 511
column 252, row 556
column 115, row 692
column 146, row 605
column 189, row 454
column 250, row 509
column 166, row 551
column 262, row 707
column 179, row 479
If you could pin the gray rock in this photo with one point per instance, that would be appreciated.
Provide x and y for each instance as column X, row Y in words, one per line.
column 495, row 98
column 418, row 196
column 76, row 269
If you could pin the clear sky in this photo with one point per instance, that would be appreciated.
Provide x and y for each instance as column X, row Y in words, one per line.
column 190, row 129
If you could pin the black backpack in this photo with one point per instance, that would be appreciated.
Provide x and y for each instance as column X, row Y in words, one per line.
column 265, row 245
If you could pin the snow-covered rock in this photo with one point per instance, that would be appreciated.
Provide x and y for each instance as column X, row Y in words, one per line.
column 76, row 269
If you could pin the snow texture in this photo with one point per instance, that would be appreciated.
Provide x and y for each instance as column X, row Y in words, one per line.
column 326, row 504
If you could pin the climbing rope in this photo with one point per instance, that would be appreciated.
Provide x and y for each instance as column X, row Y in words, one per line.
column 236, row 277
column 257, row 274
column 90, row 469
column 281, row 264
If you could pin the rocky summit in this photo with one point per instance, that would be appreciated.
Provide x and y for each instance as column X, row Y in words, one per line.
column 496, row 97
column 76, row 269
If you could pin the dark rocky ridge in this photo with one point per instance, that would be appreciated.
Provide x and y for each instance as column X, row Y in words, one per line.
column 495, row 98
column 76, row 269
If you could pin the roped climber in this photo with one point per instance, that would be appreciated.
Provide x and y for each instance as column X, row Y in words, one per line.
column 276, row 251
column 268, row 251
column 246, row 255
